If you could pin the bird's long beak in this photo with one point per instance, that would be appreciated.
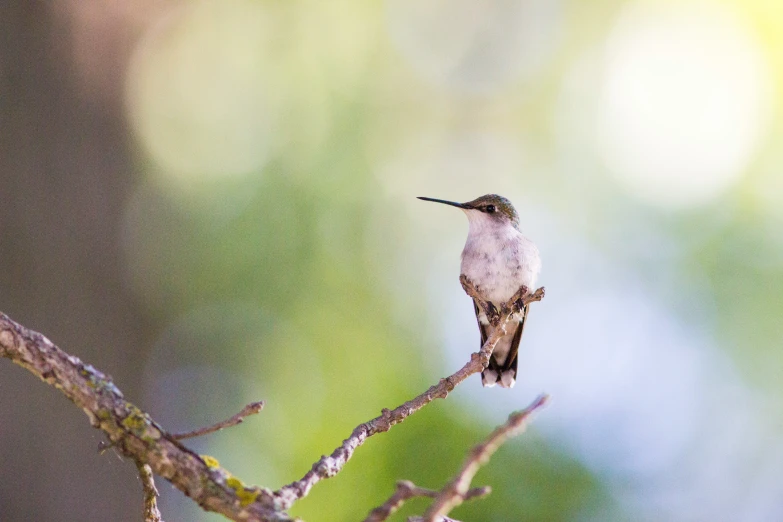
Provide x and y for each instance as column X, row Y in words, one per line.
column 452, row 203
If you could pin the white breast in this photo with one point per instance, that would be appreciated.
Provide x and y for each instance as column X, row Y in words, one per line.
column 498, row 259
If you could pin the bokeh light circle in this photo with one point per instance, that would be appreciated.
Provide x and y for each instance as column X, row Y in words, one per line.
column 435, row 160
column 196, row 92
column 684, row 101
column 475, row 47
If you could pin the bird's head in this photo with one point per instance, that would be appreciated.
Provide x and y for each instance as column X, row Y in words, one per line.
column 489, row 209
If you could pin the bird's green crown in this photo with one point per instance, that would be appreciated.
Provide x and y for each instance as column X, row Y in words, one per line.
column 494, row 204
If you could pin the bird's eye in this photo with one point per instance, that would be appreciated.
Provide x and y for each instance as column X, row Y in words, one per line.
column 490, row 209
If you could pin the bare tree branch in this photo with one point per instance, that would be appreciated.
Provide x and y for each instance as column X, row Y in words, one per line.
column 140, row 438
column 456, row 491
column 133, row 432
column 250, row 409
column 151, row 512
column 407, row 490
column 439, row 519
column 329, row 466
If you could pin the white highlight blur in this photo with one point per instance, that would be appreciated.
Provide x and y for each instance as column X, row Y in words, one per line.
column 684, row 101
column 197, row 97
column 434, row 161
column 475, row 47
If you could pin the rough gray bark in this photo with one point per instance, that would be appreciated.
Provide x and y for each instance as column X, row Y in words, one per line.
column 132, row 431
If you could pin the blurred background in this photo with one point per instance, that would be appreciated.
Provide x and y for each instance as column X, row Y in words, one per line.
column 214, row 202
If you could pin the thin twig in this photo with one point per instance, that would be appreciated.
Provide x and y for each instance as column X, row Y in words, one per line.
column 455, row 492
column 329, row 466
column 439, row 519
column 151, row 512
column 250, row 409
column 407, row 490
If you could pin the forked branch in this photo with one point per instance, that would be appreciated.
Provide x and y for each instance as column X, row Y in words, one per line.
column 457, row 491
column 132, row 431
column 407, row 490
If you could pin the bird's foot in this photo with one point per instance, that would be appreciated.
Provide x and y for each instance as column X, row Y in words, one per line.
column 517, row 301
column 523, row 297
column 536, row 296
column 469, row 287
column 492, row 313
column 489, row 309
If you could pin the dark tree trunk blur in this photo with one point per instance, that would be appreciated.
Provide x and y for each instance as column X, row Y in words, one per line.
column 65, row 173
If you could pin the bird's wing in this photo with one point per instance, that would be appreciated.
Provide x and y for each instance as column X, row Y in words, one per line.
column 483, row 328
column 511, row 358
column 484, row 331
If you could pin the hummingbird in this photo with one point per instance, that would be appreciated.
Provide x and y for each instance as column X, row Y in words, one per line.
column 498, row 260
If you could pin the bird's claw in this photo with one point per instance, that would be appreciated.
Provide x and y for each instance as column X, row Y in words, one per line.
column 489, row 309
column 517, row 301
column 524, row 297
column 468, row 286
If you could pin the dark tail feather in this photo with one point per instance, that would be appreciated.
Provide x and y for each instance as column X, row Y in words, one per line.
column 491, row 375
column 508, row 373
column 507, row 376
